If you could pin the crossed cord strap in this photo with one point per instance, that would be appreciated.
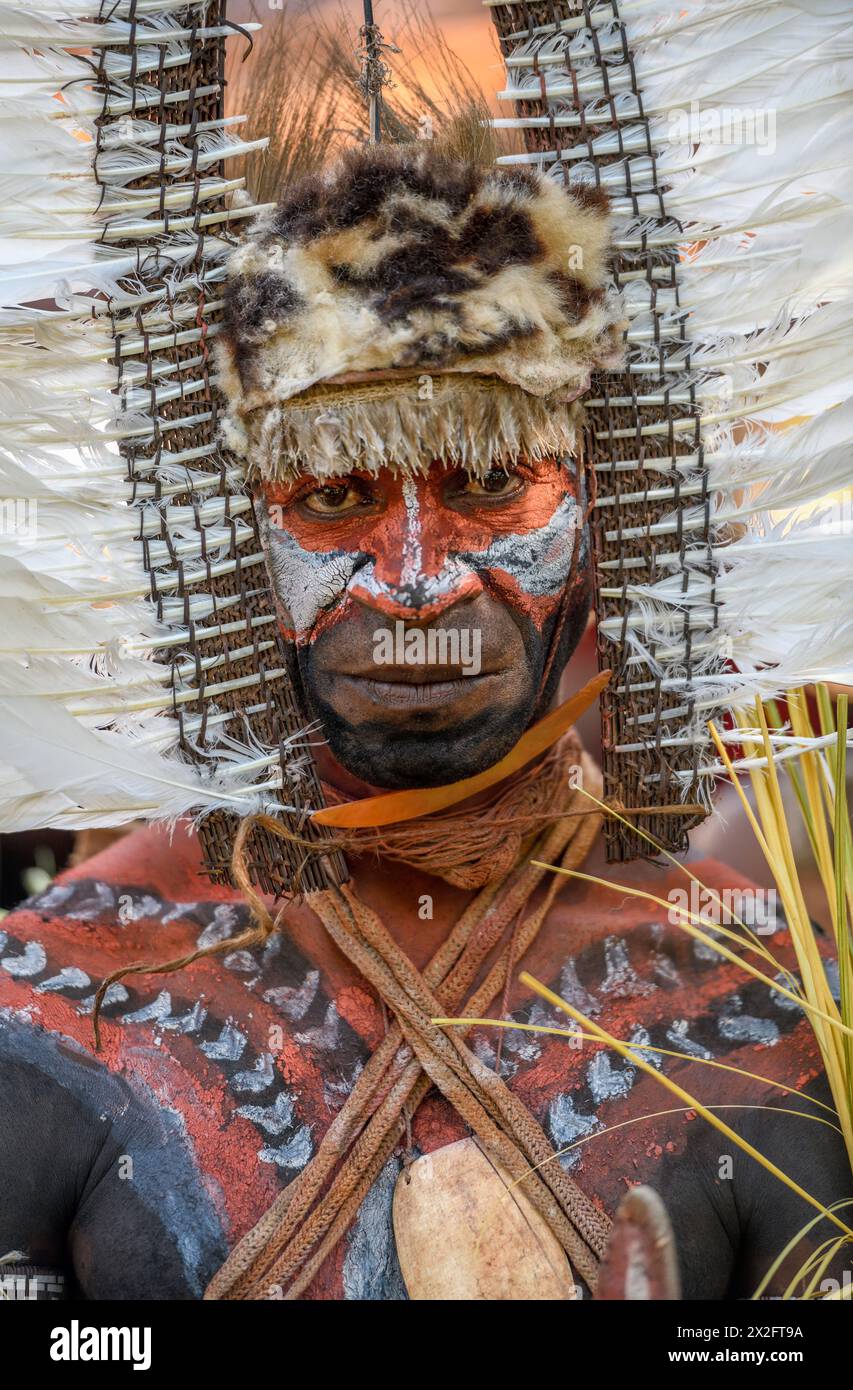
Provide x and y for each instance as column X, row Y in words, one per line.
column 282, row 1254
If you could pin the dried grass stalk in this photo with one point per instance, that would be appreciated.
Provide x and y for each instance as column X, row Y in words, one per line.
column 302, row 87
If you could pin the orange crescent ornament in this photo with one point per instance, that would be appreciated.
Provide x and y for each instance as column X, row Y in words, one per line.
column 390, row 807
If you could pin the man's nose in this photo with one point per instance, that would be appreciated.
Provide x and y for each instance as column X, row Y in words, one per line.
column 419, row 597
column 412, row 572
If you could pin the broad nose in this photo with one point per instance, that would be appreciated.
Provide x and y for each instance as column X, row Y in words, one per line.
column 421, row 601
column 412, row 572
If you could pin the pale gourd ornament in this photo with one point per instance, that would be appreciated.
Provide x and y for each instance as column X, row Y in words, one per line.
column 466, row 1231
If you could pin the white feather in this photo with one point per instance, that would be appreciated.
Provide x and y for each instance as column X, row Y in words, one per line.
column 695, row 57
column 86, row 706
column 74, row 212
column 28, row 27
column 789, row 369
column 77, row 9
column 31, row 628
column 760, row 216
column 738, row 285
column 791, row 467
column 106, row 779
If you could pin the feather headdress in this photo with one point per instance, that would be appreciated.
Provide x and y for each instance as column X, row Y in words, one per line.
column 142, row 672
column 723, row 134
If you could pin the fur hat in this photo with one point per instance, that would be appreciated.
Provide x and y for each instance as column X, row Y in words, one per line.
column 407, row 305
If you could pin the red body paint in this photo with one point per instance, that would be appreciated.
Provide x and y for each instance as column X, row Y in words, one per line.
column 638, row 977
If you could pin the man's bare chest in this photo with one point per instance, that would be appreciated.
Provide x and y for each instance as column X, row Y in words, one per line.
column 254, row 1051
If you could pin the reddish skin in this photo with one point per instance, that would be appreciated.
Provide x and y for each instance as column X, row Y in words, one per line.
column 677, row 1153
column 65, row 1208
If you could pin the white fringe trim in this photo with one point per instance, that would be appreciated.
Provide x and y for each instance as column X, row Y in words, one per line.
column 471, row 422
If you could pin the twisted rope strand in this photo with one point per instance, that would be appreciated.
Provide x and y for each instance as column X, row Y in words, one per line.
column 290, row 1243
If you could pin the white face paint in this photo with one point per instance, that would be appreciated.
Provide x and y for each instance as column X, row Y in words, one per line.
column 310, row 582
column 540, row 560
column 412, row 547
column 306, row 582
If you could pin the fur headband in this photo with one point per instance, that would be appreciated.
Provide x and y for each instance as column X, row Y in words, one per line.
column 484, row 289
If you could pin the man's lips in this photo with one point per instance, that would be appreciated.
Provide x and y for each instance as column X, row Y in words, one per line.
column 414, row 675
column 400, row 695
column 398, row 688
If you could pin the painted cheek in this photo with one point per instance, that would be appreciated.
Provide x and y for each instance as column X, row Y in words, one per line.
column 396, row 562
column 306, row 582
column 528, row 570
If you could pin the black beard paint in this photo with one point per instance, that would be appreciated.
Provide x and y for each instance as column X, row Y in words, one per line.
column 400, row 758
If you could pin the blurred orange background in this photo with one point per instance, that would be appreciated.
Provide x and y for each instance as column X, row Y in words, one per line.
column 466, row 24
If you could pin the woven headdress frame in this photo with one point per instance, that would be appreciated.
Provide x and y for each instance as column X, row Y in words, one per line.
column 618, row 447
column 143, row 670
column 234, row 669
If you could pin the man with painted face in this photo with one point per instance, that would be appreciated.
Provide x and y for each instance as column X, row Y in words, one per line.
column 498, row 563
column 404, row 341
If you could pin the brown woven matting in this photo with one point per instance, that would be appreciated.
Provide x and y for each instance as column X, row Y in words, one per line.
column 252, row 649
column 638, row 778
column 237, row 638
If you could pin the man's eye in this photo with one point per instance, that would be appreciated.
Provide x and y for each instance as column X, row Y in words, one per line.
column 335, row 498
column 496, row 483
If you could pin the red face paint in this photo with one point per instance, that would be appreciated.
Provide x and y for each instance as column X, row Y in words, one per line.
column 412, row 547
